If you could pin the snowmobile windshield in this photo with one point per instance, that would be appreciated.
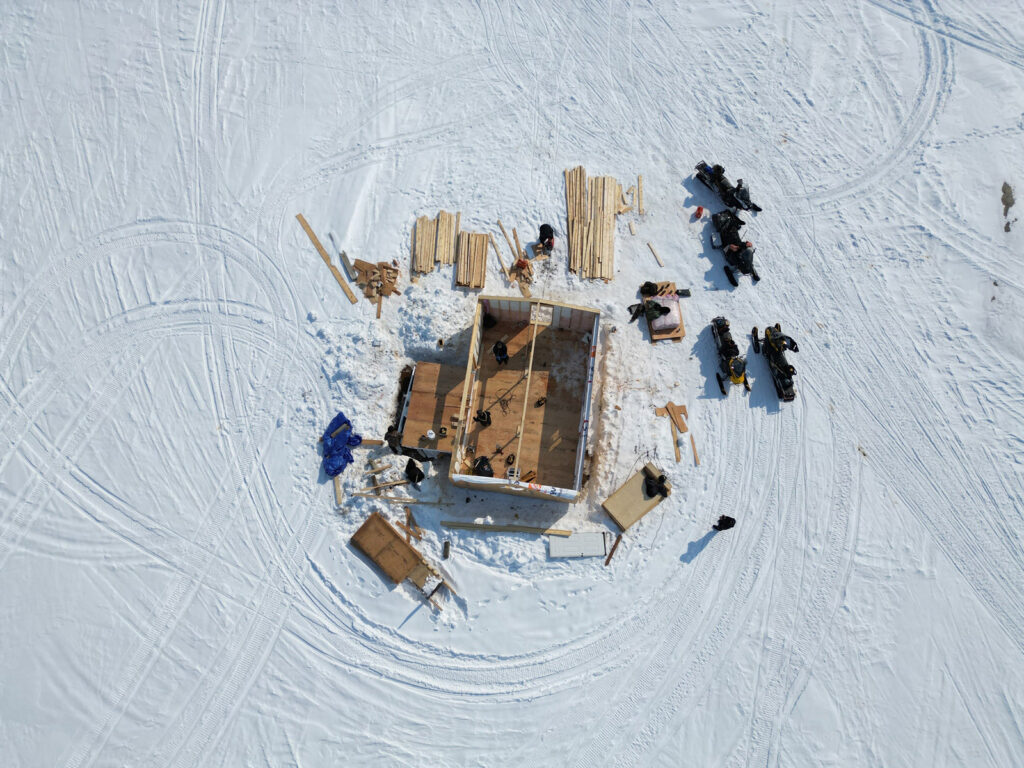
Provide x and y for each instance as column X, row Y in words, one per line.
column 737, row 367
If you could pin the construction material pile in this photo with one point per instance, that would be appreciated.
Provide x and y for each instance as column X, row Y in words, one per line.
column 441, row 241
column 592, row 205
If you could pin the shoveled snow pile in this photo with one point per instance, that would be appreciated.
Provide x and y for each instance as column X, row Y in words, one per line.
column 177, row 585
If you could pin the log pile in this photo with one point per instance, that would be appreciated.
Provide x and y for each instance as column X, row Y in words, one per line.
column 592, row 205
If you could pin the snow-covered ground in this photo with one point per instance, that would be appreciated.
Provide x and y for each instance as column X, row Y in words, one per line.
column 176, row 587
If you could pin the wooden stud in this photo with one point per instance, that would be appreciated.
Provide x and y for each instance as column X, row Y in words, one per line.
column 632, row 228
column 506, row 528
column 696, row 458
column 520, row 253
column 656, row 256
column 398, row 499
column 614, row 547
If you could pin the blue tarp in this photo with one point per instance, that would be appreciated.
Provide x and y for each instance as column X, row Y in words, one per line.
column 337, row 455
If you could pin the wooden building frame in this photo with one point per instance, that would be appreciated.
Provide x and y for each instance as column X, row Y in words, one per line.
column 534, row 431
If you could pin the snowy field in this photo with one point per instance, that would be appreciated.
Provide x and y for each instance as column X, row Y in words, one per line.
column 177, row 586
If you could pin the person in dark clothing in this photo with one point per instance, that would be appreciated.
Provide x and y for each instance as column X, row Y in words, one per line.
column 547, row 237
column 655, row 486
column 413, row 472
column 484, row 417
column 482, row 467
column 724, row 523
column 500, row 352
column 394, row 439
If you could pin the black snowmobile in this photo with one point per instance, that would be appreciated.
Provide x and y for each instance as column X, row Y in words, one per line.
column 774, row 346
column 729, row 359
column 739, row 253
column 713, row 177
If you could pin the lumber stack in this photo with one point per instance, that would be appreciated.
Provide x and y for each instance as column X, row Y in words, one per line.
column 471, row 260
column 444, row 253
column 424, row 245
column 592, row 205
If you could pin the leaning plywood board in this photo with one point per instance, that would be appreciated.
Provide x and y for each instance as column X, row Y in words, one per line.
column 590, row 544
column 630, row 503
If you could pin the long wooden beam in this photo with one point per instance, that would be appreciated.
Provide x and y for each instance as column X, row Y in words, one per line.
column 506, row 528
column 327, row 259
column 526, row 396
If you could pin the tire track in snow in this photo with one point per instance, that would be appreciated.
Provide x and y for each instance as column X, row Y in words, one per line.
column 937, row 82
column 215, row 525
column 735, row 594
column 928, row 19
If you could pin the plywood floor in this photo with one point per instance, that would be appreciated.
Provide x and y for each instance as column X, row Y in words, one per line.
column 550, row 435
column 435, row 396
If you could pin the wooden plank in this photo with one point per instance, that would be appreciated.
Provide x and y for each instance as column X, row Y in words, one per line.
column 369, row 442
column 327, row 259
column 409, row 531
column 338, row 495
column 380, row 300
column 508, row 240
column 505, row 528
column 614, row 547
column 696, row 458
column 632, row 228
column 526, row 403
column 500, row 262
column 398, row 499
column 411, row 522
column 672, row 411
column 656, row 256
column 520, row 253
column 385, row 485
column 675, row 440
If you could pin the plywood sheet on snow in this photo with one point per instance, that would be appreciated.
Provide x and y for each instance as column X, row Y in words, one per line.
column 379, row 541
column 630, row 503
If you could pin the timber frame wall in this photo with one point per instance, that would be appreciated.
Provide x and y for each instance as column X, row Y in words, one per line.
column 563, row 316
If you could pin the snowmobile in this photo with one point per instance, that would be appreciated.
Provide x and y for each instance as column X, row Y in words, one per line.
column 774, row 346
column 739, row 253
column 729, row 359
column 737, row 196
